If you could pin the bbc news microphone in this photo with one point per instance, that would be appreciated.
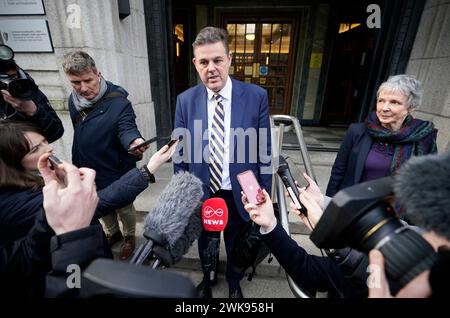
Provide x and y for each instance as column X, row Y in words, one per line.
column 214, row 221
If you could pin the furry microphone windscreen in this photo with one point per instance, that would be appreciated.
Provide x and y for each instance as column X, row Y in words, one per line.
column 172, row 212
column 191, row 233
column 422, row 186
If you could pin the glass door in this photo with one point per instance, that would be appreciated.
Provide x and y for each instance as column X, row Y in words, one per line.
column 262, row 54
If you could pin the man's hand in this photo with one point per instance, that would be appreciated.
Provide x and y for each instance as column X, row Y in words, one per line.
column 139, row 151
column 262, row 214
column 418, row 287
column 161, row 156
column 28, row 107
column 68, row 205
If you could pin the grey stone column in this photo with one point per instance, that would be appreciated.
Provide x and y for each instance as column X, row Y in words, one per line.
column 430, row 62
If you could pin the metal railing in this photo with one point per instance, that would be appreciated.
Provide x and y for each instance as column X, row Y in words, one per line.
column 278, row 184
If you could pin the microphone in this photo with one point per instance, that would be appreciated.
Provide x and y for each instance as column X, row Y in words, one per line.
column 174, row 222
column 214, row 215
column 288, row 181
column 422, row 186
column 214, row 220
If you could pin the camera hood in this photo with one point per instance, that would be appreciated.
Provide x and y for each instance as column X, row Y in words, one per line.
column 346, row 207
column 6, row 57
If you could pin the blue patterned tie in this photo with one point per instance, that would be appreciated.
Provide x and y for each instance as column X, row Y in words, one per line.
column 216, row 145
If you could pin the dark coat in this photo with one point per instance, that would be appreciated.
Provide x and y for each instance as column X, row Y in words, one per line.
column 102, row 139
column 45, row 117
column 311, row 273
column 25, row 264
column 18, row 208
column 349, row 165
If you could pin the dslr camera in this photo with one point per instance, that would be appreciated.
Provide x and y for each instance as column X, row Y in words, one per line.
column 18, row 85
column 363, row 218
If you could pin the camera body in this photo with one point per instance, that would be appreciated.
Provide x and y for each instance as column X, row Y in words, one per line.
column 19, row 85
column 363, row 218
column 22, row 88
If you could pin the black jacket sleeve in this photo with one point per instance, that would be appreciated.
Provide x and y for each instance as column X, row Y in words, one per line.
column 24, row 263
column 71, row 253
column 309, row 272
column 45, row 117
column 30, row 255
column 121, row 192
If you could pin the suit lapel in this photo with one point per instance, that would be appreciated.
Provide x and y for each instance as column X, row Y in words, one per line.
column 237, row 113
column 201, row 107
column 237, row 105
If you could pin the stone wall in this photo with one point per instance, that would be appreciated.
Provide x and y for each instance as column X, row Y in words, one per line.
column 430, row 62
column 119, row 48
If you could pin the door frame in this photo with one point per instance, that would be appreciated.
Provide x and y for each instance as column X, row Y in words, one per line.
column 271, row 16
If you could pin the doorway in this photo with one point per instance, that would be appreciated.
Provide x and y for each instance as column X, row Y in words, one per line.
column 263, row 54
column 350, row 65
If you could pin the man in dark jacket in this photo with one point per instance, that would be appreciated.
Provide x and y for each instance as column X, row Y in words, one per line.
column 34, row 107
column 104, row 130
column 68, row 215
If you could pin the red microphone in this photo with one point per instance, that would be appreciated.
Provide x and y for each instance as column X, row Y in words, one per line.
column 214, row 215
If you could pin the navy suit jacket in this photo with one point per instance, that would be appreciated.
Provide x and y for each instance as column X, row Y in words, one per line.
column 249, row 109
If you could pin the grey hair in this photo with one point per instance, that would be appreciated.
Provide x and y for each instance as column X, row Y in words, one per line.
column 211, row 35
column 408, row 85
column 78, row 62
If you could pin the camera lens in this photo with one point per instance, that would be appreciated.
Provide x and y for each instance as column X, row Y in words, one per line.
column 362, row 217
column 405, row 252
column 22, row 88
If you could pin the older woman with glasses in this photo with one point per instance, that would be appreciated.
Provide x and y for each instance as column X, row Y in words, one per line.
column 387, row 139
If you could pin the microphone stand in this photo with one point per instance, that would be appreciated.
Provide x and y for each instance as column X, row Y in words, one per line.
column 210, row 255
column 145, row 250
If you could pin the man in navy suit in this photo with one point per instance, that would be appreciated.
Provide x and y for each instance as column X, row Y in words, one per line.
column 226, row 130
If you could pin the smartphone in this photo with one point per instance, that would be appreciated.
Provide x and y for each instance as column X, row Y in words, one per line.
column 297, row 173
column 54, row 162
column 171, row 142
column 145, row 143
column 251, row 187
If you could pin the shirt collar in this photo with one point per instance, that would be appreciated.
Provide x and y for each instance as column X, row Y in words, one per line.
column 225, row 92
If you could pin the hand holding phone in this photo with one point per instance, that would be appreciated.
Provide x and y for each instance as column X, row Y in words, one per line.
column 54, row 165
column 251, row 187
column 171, row 142
column 54, row 162
column 142, row 144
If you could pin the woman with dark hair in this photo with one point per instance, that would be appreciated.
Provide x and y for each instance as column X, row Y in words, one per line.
column 389, row 137
column 21, row 145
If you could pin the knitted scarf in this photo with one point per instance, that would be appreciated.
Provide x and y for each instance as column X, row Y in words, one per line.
column 407, row 141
